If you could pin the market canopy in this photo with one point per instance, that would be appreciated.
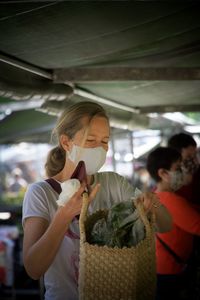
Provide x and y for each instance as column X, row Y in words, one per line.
column 135, row 58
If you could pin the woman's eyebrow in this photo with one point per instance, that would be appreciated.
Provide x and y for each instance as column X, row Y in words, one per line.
column 93, row 135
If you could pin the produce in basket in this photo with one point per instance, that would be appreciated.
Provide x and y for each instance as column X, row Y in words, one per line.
column 120, row 227
column 113, row 273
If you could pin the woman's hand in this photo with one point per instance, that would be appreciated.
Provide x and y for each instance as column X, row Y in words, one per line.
column 162, row 216
column 150, row 201
column 73, row 207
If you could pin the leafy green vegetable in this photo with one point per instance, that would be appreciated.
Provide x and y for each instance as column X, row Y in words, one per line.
column 121, row 228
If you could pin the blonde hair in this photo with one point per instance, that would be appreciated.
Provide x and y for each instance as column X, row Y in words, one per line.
column 69, row 123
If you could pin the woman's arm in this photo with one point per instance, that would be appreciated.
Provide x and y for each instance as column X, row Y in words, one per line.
column 42, row 240
column 162, row 216
column 184, row 214
column 151, row 203
column 163, row 219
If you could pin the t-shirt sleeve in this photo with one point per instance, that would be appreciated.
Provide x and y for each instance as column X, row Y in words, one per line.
column 128, row 191
column 35, row 203
column 121, row 186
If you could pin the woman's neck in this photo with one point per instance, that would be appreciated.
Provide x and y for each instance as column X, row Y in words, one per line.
column 65, row 173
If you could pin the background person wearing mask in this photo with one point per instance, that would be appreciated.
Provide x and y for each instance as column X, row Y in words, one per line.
column 187, row 146
column 173, row 248
column 51, row 233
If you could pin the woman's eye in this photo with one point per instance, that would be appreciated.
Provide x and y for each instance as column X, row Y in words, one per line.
column 94, row 141
column 90, row 141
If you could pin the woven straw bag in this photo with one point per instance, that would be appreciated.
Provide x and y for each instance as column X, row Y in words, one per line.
column 107, row 273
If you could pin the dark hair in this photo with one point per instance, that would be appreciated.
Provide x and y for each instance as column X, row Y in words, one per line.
column 69, row 123
column 181, row 140
column 162, row 157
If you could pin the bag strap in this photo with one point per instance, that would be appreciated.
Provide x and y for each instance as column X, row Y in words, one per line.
column 83, row 217
column 177, row 258
column 54, row 184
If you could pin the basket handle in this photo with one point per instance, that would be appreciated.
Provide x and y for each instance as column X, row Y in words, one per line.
column 84, row 210
column 140, row 207
column 83, row 216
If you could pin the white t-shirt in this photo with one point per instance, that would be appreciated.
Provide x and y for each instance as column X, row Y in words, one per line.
column 61, row 279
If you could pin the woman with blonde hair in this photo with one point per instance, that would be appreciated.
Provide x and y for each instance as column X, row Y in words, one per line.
column 51, row 232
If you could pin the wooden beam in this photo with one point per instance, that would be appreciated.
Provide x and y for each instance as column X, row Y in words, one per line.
column 41, row 90
column 103, row 74
column 170, row 108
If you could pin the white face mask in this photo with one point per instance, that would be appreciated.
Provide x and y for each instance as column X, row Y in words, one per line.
column 94, row 158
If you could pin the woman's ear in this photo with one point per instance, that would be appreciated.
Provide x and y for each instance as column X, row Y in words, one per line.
column 65, row 142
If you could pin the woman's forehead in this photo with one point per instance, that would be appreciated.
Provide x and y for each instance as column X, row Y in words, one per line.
column 98, row 125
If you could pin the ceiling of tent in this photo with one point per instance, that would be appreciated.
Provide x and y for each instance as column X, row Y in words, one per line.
column 135, row 58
